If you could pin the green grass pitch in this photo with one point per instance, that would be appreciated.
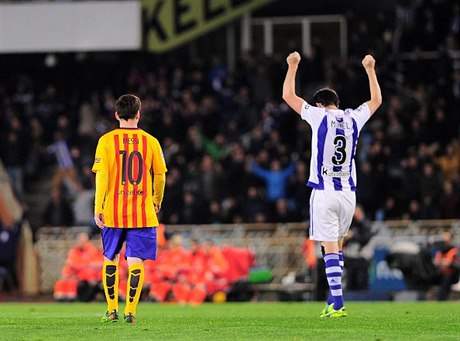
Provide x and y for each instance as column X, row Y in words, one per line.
column 233, row 321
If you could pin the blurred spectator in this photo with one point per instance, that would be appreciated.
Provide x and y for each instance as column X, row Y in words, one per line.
column 283, row 213
column 367, row 191
column 60, row 149
column 13, row 153
column 234, row 167
column 389, row 211
column 170, row 263
column 83, row 204
column 216, row 148
column 449, row 202
column 356, row 264
column 413, row 211
column 9, row 238
column 215, row 215
column 309, row 253
column 430, row 184
column 35, row 144
column 298, row 195
column 450, row 161
column 411, row 179
column 211, row 179
column 428, row 210
column 3, row 276
column 192, row 209
column 253, row 205
column 171, row 201
column 275, row 179
column 58, row 211
column 81, row 272
column 447, row 259
column 209, row 275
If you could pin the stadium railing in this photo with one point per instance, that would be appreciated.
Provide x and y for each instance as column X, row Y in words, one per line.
column 277, row 246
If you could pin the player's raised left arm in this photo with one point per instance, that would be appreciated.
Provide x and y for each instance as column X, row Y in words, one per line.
column 374, row 87
column 289, row 95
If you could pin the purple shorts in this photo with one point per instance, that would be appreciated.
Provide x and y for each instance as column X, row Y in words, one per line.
column 140, row 242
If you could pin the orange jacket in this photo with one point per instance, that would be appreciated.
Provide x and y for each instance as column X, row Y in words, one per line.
column 446, row 259
column 309, row 253
column 82, row 260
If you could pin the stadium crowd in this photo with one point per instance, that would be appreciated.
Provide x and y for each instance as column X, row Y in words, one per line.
column 234, row 150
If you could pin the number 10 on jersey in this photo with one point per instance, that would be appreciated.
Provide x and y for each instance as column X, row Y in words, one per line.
column 131, row 167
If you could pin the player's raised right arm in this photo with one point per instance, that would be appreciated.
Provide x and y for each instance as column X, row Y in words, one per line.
column 289, row 95
column 374, row 87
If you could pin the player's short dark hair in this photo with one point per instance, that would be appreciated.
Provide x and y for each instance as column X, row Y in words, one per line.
column 127, row 106
column 326, row 96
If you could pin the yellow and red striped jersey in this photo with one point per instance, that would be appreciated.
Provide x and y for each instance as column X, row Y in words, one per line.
column 129, row 158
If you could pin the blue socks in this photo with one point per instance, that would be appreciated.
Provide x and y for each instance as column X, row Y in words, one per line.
column 334, row 269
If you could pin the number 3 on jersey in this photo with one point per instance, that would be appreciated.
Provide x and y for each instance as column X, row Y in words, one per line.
column 132, row 165
column 340, row 143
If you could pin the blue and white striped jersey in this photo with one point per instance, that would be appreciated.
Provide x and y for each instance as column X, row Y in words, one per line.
column 333, row 146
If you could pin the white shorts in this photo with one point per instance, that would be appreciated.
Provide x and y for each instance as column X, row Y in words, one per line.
column 331, row 213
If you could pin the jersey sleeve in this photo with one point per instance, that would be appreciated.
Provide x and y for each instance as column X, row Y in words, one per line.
column 100, row 158
column 313, row 115
column 361, row 115
column 159, row 164
column 101, row 170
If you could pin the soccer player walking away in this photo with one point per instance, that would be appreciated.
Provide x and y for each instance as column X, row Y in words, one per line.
column 332, row 169
column 130, row 180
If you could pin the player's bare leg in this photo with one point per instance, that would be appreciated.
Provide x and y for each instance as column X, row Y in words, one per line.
column 110, row 282
column 331, row 247
column 341, row 259
column 134, row 288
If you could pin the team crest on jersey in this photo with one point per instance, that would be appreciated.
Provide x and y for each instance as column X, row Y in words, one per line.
column 97, row 160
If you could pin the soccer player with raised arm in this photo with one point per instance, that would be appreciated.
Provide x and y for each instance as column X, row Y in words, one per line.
column 332, row 169
column 130, row 180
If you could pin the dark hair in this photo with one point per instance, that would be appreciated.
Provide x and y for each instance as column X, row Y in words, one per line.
column 127, row 106
column 326, row 96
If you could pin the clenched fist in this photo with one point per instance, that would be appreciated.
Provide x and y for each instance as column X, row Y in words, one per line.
column 293, row 59
column 368, row 62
